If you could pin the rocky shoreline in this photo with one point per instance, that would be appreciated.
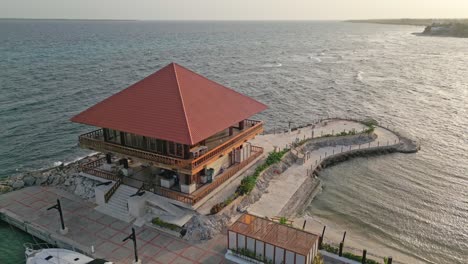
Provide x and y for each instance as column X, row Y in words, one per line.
column 459, row 30
column 64, row 176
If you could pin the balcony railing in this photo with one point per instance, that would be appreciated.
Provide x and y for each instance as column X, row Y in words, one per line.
column 220, row 179
column 252, row 128
column 95, row 140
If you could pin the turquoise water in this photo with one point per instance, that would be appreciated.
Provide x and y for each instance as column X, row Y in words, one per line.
column 11, row 241
column 51, row 70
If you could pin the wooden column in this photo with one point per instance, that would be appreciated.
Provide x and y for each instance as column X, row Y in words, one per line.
column 231, row 131
column 241, row 124
column 122, row 138
column 105, row 133
column 186, row 151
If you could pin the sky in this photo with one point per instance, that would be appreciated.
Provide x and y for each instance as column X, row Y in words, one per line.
column 233, row 9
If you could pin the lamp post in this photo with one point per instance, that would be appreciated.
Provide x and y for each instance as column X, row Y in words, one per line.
column 133, row 237
column 63, row 229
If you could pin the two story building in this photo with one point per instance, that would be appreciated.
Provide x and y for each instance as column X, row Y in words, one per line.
column 174, row 133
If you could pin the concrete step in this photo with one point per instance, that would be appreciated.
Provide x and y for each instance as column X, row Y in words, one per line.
column 117, row 205
column 115, row 213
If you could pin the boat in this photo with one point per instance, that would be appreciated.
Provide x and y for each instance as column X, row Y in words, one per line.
column 43, row 254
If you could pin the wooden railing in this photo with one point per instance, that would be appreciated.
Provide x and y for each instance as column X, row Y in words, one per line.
column 112, row 190
column 178, row 196
column 95, row 140
column 254, row 127
column 220, row 179
column 93, row 169
column 88, row 140
column 96, row 134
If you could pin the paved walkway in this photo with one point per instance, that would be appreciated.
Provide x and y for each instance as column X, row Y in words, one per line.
column 89, row 227
column 282, row 188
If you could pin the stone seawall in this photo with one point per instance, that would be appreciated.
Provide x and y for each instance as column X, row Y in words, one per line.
column 42, row 233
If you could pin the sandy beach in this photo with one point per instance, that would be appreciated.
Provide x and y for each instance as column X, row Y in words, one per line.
column 355, row 240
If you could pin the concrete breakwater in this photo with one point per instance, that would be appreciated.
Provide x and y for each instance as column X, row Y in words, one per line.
column 312, row 184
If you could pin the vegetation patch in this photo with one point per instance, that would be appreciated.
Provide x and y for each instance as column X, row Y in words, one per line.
column 157, row 221
column 348, row 255
column 284, row 221
column 247, row 253
column 248, row 183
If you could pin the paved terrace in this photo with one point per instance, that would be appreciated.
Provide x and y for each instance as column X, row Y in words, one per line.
column 281, row 189
column 88, row 227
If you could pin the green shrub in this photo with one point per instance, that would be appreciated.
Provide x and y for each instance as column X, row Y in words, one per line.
column 157, row 221
column 284, row 221
column 248, row 183
column 335, row 250
column 370, row 122
column 370, row 130
column 250, row 254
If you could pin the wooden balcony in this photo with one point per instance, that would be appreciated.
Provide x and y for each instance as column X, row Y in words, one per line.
column 95, row 140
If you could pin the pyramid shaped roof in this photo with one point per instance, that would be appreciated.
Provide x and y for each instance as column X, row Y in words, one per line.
column 173, row 104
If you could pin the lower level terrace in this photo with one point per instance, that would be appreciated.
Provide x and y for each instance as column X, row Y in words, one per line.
column 185, row 188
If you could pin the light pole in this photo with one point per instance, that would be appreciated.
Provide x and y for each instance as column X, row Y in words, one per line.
column 133, row 237
column 63, row 229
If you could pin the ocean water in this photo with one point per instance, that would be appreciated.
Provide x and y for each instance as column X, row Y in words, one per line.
column 12, row 242
column 418, row 204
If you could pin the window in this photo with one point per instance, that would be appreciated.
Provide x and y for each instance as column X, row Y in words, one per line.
column 175, row 149
column 113, row 135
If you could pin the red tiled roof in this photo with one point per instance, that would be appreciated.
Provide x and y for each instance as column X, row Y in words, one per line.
column 173, row 104
column 282, row 236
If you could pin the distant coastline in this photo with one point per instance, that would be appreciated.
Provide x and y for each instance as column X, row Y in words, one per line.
column 433, row 27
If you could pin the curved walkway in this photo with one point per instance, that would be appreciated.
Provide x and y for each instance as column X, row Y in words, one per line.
column 281, row 189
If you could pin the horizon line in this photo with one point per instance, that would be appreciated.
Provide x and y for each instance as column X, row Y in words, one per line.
column 217, row 20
